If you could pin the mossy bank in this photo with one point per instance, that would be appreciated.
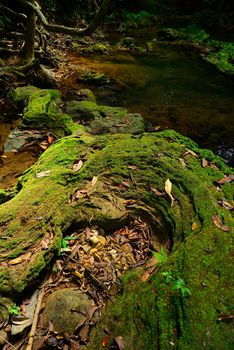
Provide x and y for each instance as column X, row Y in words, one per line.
column 53, row 197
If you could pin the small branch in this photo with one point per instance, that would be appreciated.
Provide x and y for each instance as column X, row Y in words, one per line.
column 8, row 12
column 68, row 30
column 35, row 319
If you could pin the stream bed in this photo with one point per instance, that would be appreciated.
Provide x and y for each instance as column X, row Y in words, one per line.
column 172, row 88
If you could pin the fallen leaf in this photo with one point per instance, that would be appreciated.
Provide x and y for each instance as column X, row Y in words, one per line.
column 94, row 181
column 132, row 166
column 168, row 188
column 50, row 139
column 182, row 162
column 226, row 179
column 189, row 152
column 106, row 341
column 43, row 174
column 194, row 226
column 157, row 192
column 226, row 204
column 44, row 145
column 229, row 318
column 20, row 259
column 204, row 163
column 119, row 342
column 77, row 166
column 125, row 183
column 157, row 127
column 145, row 276
column 218, row 223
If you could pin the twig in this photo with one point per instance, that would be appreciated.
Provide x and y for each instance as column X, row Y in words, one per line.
column 5, row 340
column 35, row 319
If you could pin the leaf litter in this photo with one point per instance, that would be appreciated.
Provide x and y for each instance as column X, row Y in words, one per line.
column 92, row 261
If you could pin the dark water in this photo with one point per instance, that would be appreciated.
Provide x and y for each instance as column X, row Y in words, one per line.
column 172, row 89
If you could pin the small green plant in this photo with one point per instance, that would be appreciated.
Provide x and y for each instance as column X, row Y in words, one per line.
column 168, row 276
column 14, row 310
column 161, row 256
column 136, row 18
column 179, row 285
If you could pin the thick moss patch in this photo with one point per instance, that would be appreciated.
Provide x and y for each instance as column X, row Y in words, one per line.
column 51, row 200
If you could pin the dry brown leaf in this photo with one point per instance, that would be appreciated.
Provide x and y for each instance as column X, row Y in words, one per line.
column 50, row 139
column 106, row 341
column 125, row 183
column 168, row 188
column 226, row 204
column 189, row 152
column 119, row 342
column 94, row 181
column 204, row 163
column 194, row 226
column 157, row 192
column 78, row 166
column 132, row 166
column 20, row 259
column 145, row 276
column 218, row 223
column 182, row 162
column 226, row 179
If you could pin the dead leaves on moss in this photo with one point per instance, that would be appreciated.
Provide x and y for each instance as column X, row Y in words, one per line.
column 218, row 223
column 226, row 179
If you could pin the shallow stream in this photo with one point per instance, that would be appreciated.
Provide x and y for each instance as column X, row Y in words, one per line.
column 171, row 88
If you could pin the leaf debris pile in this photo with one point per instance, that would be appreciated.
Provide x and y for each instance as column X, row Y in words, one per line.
column 93, row 262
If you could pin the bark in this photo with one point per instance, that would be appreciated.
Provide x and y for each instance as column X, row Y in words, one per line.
column 28, row 49
column 97, row 21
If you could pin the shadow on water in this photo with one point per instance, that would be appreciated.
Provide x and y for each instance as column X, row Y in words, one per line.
column 172, row 88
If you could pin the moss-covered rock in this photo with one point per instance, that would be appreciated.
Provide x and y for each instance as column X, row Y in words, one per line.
column 21, row 95
column 51, row 201
column 66, row 308
column 105, row 119
column 43, row 113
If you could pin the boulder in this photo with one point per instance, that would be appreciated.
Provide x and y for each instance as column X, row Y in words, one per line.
column 66, row 308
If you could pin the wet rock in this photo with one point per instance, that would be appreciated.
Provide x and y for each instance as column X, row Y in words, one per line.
column 20, row 138
column 43, row 112
column 21, row 95
column 66, row 308
column 117, row 124
column 86, row 95
column 82, row 110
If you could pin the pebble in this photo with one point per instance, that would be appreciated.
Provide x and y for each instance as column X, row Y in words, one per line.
column 94, row 240
column 102, row 240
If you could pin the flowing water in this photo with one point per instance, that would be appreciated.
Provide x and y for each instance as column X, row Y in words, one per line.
column 172, row 88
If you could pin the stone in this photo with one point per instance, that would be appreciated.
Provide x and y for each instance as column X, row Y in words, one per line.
column 66, row 308
column 19, row 138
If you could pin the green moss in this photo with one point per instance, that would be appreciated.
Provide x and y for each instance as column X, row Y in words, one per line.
column 148, row 315
column 21, row 95
column 43, row 112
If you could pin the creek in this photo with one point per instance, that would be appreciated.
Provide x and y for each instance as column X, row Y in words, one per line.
column 171, row 87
